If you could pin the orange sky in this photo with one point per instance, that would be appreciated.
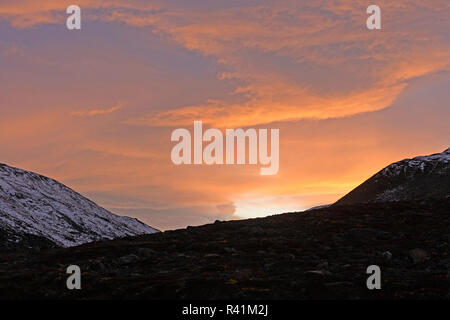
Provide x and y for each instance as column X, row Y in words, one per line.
column 95, row 108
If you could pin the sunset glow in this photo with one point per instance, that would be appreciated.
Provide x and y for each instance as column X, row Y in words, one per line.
column 95, row 108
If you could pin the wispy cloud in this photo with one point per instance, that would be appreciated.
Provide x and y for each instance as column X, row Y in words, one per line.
column 377, row 66
column 245, row 39
column 231, row 64
column 97, row 112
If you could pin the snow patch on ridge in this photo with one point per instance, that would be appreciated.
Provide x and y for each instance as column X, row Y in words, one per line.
column 417, row 163
column 34, row 204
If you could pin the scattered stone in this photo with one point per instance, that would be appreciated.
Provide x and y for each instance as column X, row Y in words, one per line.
column 319, row 272
column 197, row 264
column 338, row 284
column 146, row 252
column 131, row 258
column 418, row 255
column 386, row 255
column 322, row 265
column 256, row 230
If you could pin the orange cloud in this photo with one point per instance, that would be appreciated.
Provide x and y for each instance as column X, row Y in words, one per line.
column 96, row 112
column 28, row 13
column 397, row 55
column 330, row 37
column 274, row 102
column 280, row 60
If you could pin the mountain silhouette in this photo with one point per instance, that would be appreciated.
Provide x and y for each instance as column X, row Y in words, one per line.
column 418, row 178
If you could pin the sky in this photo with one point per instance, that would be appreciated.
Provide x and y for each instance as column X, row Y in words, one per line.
column 95, row 108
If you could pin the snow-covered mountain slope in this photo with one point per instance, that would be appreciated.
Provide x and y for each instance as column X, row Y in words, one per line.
column 322, row 206
column 33, row 205
column 409, row 179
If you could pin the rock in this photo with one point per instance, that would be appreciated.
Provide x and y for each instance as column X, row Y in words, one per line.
column 322, row 265
column 256, row 230
column 445, row 263
column 338, row 284
column 230, row 250
column 146, row 252
column 128, row 259
column 319, row 272
column 243, row 274
column 386, row 255
column 269, row 266
column 418, row 255
column 98, row 266
column 365, row 234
